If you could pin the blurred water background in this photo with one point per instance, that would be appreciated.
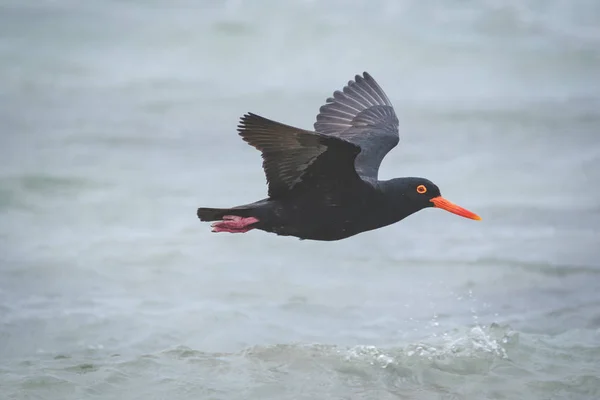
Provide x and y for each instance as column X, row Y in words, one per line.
column 117, row 120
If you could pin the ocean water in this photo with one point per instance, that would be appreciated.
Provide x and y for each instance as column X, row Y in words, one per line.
column 117, row 120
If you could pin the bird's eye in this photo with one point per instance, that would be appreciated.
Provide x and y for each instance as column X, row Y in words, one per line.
column 421, row 189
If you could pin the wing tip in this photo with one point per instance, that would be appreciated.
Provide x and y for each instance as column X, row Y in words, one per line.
column 368, row 77
column 247, row 119
column 241, row 126
column 365, row 76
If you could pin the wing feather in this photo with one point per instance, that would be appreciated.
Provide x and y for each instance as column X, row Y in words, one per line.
column 361, row 113
column 288, row 154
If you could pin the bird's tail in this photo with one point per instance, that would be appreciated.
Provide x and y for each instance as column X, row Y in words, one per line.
column 212, row 214
column 216, row 214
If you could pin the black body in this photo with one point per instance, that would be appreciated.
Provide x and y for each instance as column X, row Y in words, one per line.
column 323, row 185
column 311, row 216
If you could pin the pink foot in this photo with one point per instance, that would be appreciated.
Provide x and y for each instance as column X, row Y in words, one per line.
column 234, row 224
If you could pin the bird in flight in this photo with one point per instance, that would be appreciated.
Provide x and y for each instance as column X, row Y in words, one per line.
column 323, row 184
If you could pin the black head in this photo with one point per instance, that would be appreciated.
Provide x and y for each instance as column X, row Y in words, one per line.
column 414, row 194
column 416, row 191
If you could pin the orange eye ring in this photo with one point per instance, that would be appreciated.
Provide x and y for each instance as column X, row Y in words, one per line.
column 421, row 189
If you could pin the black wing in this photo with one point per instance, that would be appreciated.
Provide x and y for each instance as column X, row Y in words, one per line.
column 292, row 156
column 361, row 114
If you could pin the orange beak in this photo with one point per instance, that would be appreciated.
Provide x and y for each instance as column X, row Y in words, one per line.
column 447, row 205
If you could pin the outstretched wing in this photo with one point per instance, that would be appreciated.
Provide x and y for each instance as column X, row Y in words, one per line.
column 361, row 114
column 291, row 155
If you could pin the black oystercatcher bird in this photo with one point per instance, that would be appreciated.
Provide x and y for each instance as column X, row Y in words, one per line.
column 323, row 185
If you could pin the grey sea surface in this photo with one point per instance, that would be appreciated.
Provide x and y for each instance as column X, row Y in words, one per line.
column 117, row 120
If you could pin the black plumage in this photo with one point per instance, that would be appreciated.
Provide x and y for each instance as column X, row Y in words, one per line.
column 323, row 184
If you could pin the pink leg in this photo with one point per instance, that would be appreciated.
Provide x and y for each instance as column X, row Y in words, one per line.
column 234, row 224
